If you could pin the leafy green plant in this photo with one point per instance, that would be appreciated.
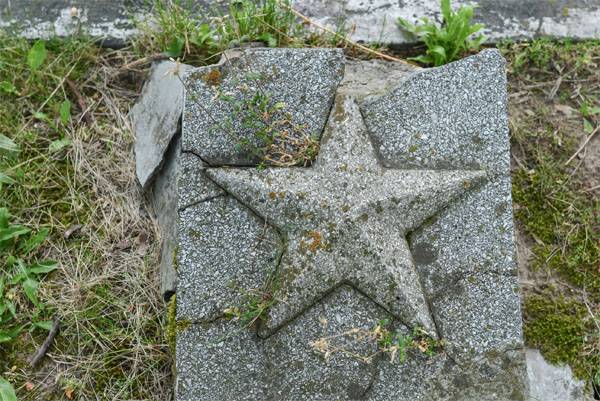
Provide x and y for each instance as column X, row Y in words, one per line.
column 20, row 274
column 449, row 41
column 176, row 32
column 397, row 344
column 183, row 34
column 36, row 56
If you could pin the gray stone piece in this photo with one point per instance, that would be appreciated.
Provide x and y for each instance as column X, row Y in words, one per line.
column 368, row 233
column 219, row 361
column 226, row 253
column 449, row 117
column 155, row 118
column 309, row 358
column 164, row 201
column 553, row 383
column 302, row 81
column 194, row 186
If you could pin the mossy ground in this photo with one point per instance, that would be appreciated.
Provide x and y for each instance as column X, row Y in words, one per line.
column 554, row 90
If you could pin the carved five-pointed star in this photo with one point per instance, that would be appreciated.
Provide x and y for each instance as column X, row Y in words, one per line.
column 345, row 221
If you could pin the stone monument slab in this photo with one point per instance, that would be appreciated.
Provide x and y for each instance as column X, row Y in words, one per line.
column 384, row 269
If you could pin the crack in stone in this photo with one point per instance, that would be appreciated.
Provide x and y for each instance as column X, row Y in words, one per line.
column 198, row 202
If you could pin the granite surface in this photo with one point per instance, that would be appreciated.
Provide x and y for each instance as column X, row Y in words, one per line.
column 298, row 84
column 371, row 232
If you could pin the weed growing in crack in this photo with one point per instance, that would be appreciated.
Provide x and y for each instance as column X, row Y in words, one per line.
column 253, row 310
column 394, row 344
column 261, row 127
column 275, row 139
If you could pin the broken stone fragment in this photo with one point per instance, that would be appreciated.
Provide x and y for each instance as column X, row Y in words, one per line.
column 163, row 196
column 551, row 382
column 155, row 118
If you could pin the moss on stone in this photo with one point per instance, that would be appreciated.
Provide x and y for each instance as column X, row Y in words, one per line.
column 559, row 327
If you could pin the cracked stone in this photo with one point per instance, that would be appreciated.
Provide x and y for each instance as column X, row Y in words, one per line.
column 346, row 219
column 373, row 219
column 303, row 80
column 194, row 186
column 225, row 253
column 298, row 371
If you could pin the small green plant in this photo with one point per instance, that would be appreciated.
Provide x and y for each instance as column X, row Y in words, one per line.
column 449, row 41
column 254, row 309
column 20, row 275
column 397, row 344
column 175, row 31
column 182, row 34
column 274, row 138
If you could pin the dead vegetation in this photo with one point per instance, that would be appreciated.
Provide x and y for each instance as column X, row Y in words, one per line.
column 111, row 343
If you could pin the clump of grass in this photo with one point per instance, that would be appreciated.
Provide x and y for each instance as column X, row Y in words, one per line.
column 557, row 207
column 274, row 138
column 178, row 32
column 73, row 178
column 450, row 41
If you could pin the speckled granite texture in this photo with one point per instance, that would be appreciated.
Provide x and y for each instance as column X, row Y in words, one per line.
column 404, row 217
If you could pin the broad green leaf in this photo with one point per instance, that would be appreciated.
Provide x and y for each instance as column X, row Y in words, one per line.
column 175, row 47
column 30, row 286
column 11, row 308
column 9, row 335
column 588, row 111
column 38, row 115
column 57, row 145
column 587, row 126
column 7, row 144
column 446, row 10
column 269, row 39
column 4, row 217
column 7, row 391
column 65, row 112
column 43, row 267
column 36, row 56
column 12, row 232
column 439, row 50
column 7, row 87
column 594, row 110
column 4, row 179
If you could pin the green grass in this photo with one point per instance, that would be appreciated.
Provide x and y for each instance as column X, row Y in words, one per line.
column 556, row 204
column 72, row 175
column 199, row 39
